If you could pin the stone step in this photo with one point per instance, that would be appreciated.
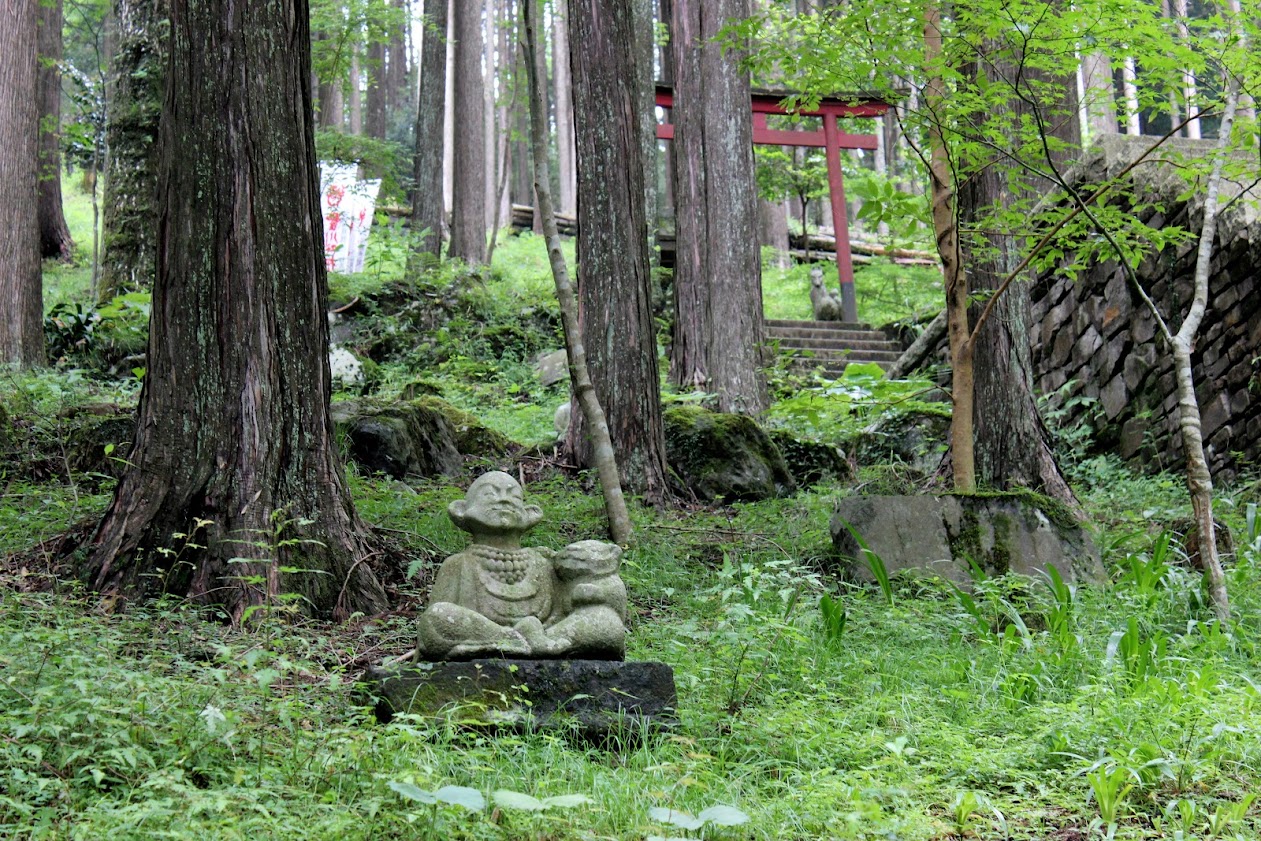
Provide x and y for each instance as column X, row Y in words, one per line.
column 824, row 325
column 836, row 369
column 818, row 333
column 827, row 343
column 847, row 356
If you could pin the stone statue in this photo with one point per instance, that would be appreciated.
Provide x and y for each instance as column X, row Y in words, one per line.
column 826, row 306
column 499, row 599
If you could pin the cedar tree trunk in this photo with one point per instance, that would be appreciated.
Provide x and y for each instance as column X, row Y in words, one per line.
column 1012, row 446
column 374, row 97
column 21, row 285
column 468, row 198
column 566, row 174
column 54, row 236
column 234, row 494
column 427, row 215
column 614, row 279
column 131, row 133
column 718, row 332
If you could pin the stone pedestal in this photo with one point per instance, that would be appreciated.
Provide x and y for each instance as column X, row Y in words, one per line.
column 593, row 698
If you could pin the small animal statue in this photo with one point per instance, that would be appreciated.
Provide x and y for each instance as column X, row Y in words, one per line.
column 827, row 307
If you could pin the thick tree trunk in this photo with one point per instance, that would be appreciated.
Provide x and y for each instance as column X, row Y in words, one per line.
column 427, row 207
column 375, row 94
column 614, row 279
column 1012, row 445
column 22, row 312
column 1098, row 97
column 772, row 219
column 356, row 93
column 54, row 235
column 566, row 173
column 490, row 135
column 603, row 455
column 234, row 494
column 718, row 332
column 331, row 100
column 129, row 227
column 468, row 197
column 395, row 79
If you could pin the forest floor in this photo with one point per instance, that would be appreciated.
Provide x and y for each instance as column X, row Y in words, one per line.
column 1024, row 712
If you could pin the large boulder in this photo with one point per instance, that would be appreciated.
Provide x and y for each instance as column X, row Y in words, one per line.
column 1001, row 533
column 400, row 439
column 914, row 438
column 812, row 462
column 724, row 456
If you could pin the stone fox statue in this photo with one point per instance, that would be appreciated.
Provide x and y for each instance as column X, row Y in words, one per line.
column 827, row 307
column 500, row 599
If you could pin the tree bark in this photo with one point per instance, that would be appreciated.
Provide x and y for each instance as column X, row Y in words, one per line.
column 376, row 92
column 1012, row 445
column 602, row 447
column 718, row 331
column 490, row 203
column 129, row 243
column 395, row 79
column 1098, row 97
column 468, row 197
column 566, row 172
column 54, row 235
column 614, row 278
column 356, row 93
column 331, row 99
column 427, row 205
column 21, row 286
column 234, row 494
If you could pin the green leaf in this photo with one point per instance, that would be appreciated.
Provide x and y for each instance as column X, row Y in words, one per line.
column 414, row 792
column 566, row 801
column 723, row 816
column 675, row 818
column 516, row 800
column 469, row 798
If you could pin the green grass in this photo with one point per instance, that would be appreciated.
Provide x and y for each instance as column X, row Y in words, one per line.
column 928, row 716
column 885, row 292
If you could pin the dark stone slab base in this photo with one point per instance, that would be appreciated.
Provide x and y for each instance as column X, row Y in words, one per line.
column 594, row 698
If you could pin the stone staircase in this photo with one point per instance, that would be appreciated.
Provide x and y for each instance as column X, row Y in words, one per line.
column 831, row 345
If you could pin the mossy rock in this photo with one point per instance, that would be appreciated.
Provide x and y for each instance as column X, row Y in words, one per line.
column 812, row 462
column 724, row 456
column 914, row 438
column 472, row 437
column 402, row 439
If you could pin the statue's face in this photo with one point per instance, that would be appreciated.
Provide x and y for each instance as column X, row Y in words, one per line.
column 495, row 503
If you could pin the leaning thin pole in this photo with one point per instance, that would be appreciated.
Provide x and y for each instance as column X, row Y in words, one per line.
column 603, row 455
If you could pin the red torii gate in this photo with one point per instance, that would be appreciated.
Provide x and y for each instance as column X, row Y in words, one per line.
column 831, row 139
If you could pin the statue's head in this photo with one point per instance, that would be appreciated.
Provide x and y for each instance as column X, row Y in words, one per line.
column 494, row 505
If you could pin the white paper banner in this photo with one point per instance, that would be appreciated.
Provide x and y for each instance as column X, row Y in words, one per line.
column 347, row 205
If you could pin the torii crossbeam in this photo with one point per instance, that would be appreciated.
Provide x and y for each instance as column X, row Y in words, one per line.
column 831, row 139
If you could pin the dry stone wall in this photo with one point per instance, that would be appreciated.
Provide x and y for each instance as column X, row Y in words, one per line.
column 1094, row 339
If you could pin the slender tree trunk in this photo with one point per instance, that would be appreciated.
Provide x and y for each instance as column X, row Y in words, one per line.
column 489, row 133
column 1099, row 115
column 54, row 235
column 1178, row 11
column 718, row 332
column 21, row 286
column 614, row 277
column 468, row 199
column 602, row 447
column 567, row 175
column 946, row 231
column 129, row 241
column 234, row 494
column 427, row 205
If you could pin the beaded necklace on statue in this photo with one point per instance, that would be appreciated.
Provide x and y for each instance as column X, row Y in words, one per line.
column 507, row 566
